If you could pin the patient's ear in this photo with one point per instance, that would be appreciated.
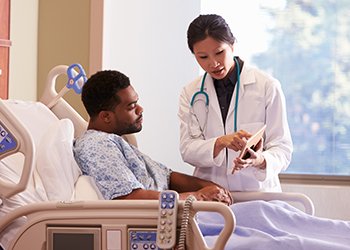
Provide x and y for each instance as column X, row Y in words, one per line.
column 105, row 116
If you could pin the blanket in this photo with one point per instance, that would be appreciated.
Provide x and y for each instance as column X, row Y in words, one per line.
column 276, row 225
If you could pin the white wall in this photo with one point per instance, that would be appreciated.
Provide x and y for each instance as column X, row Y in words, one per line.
column 24, row 50
column 330, row 201
column 146, row 40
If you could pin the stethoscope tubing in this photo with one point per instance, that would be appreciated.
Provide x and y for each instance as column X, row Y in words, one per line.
column 201, row 91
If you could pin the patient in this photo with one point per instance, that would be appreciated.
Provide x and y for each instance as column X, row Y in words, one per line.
column 119, row 169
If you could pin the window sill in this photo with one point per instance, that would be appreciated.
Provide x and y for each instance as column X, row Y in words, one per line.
column 309, row 179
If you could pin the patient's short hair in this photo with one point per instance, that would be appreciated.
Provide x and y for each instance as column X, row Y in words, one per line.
column 100, row 92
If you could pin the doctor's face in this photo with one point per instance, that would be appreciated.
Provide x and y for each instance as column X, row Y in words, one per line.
column 214, row 57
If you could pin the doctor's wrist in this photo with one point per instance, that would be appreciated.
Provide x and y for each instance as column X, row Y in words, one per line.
column 218, row 146
column 262, row 165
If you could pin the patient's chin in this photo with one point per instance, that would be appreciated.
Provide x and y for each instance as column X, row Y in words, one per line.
column 132, row 129
column 137, row 130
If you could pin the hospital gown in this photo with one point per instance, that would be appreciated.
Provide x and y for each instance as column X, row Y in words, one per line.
column 116, row 166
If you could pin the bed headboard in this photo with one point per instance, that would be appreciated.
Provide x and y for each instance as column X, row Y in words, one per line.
column 62, row 109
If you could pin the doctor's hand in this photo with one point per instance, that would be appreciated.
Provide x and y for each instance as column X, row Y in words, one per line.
column 256, row 159
column 233, row 141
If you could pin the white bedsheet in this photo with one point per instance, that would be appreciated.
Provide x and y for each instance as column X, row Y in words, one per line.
column 276, row 225
column 21, row 199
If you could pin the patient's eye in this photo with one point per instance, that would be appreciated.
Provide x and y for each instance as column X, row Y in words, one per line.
column 218, row 53
column 132, row 106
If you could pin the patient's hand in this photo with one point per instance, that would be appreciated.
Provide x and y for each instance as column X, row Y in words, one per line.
column 201, row 189
column 214, row 193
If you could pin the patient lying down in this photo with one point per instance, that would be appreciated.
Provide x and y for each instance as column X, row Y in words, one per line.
column 120, row 170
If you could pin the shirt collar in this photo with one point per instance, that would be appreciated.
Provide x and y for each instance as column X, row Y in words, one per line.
column 232, row 79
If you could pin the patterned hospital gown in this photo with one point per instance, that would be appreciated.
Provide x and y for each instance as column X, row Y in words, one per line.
column 117, row 167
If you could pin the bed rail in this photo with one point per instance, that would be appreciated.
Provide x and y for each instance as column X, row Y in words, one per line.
column 268, row 196
column 13, row 129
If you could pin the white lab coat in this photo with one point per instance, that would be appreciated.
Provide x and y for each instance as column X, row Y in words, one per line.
column 261, row 101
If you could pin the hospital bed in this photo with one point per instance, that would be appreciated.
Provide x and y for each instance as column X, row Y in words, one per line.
column 47, row 204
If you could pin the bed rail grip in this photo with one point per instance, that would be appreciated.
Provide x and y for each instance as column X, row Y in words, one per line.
column 226, row 232
column 25, row 145
column 268, row 196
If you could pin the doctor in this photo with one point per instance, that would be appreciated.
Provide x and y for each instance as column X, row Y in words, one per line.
column 224, row 107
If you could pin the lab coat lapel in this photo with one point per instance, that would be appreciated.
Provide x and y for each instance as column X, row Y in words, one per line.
column 245, row 79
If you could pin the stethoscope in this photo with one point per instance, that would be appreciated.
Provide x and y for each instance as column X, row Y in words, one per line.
column 201, row 91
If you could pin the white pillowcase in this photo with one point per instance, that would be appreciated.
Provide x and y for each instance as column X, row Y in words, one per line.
column 56, row 170
column 34, row 115
column 86, row 189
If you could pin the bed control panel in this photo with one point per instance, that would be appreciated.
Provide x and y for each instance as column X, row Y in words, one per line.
column 167, row 219
column 143, row 239
column 7, row 141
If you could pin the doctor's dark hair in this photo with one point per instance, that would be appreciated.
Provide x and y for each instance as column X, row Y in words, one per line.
column 211, row 25
column 100, row 92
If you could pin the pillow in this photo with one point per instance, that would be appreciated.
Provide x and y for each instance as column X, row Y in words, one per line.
column 34, row 115
column 86, row 189
column 56, row 171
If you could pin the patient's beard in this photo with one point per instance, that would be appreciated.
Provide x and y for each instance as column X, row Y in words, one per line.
column 124, row 128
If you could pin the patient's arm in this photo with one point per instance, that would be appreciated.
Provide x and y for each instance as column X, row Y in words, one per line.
column 203, row 190
column 141, row 194
column 186, row 185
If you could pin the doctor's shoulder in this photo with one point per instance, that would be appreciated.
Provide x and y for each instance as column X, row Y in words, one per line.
column 262, row 77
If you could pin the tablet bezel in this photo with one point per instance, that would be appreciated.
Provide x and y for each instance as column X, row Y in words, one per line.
column 252, row 142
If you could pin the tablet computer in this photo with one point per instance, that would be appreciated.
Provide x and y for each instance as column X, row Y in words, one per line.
column 251, row 143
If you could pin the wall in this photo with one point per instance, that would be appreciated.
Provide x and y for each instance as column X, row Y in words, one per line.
column 63, row 39
column 330, row 201
column 24, row 50
column 45, row 34
column 146, row 40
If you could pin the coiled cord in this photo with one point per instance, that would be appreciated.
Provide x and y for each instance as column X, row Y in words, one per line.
column 185, row 217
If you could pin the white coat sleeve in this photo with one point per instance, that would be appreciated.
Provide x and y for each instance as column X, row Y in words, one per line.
column 197, row 152
column 278, row 144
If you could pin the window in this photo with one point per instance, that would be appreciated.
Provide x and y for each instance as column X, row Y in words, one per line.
column 306, row 45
